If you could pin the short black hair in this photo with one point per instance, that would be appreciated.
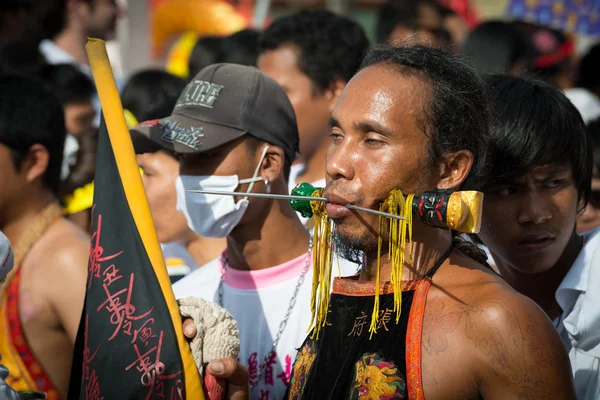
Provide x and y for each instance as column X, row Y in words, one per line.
column 589, row 68
column 31, row 114
column 68, row 83
column 494, row 46
column 206, row 51
column 150, row 89
column 534, row 124
column 329, row 46
column 240, row 48
column 456, row 115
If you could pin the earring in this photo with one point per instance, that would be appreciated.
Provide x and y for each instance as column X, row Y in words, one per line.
column 267, row 186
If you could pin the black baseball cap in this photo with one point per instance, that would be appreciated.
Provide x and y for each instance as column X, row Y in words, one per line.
column 222, row 103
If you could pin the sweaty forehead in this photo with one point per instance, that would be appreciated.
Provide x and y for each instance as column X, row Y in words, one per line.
column 381, row 95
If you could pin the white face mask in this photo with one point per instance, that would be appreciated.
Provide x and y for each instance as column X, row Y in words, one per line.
column 213, row 216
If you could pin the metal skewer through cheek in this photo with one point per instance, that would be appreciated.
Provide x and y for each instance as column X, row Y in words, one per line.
column 290, row 197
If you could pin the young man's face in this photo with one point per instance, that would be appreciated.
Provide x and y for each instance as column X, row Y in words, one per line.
column 376, row 145
column 590, row 218
column 311, row 107
column 528, row 221
column 159, row 172
column 234, row 158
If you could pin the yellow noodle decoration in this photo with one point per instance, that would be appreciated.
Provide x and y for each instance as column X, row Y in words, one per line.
column 399, row 231
column 322, row 264
column 396, row 204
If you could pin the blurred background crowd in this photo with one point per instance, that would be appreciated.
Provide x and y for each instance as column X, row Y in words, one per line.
column 155, row 46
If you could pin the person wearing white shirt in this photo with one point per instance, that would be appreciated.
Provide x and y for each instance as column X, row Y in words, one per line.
column 235, row 130
column 312, row 54
column 540, row 172
column 67, row 25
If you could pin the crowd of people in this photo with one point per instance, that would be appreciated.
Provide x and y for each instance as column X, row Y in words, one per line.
column 506, row 108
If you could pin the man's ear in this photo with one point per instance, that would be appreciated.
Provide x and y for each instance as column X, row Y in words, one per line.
column 35, row 163
column 273, row 164
column 333, row 92
column 454, row 169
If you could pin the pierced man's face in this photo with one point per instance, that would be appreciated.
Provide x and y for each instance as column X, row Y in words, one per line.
column 528, row 220
column 376, row 145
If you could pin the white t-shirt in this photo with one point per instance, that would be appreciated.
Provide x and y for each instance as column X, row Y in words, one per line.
column 259, row 300
column 579, row 325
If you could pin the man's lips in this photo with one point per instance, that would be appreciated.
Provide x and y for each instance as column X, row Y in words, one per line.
column 536, row 243
column 336, row 206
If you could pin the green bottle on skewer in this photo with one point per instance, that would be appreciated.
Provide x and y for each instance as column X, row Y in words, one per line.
column 303, row 206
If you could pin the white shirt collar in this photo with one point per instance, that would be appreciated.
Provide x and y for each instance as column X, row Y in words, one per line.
column 576, row 280
column 54, row 54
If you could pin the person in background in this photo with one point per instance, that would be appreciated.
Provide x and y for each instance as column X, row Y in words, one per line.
column 77, row 190
column 312, row 55
column 413, row 21
column 589, row 219
column 498, row 47
column 151, row 94
column 540, row 180
column 160, row 169
column 42, row 300
column 240, row 48
column 263, row 278
column 456, row 26
column 589, row 66
column 205, row 52
column 149, row 90
column 67, row 24
column 76, row 91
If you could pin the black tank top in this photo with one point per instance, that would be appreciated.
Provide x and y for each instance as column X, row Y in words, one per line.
column 345, row 363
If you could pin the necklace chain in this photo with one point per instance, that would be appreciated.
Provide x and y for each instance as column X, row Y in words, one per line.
column 283, row 323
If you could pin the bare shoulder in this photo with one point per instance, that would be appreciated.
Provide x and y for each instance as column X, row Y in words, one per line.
column 61, row 254
column 511, row 347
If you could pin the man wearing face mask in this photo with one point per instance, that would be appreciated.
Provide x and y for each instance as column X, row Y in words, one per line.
column 235, row 130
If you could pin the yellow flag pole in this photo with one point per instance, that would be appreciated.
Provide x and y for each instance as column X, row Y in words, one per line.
column 124, row 154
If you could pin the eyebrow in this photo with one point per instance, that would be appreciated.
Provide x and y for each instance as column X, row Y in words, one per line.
column 370, row 126
column 557, row 170
column 547, row 177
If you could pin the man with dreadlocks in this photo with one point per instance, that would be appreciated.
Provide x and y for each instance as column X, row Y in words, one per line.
column 425, row 318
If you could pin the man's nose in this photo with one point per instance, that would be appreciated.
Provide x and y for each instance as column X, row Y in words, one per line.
column 340, row 161
column 535, row 209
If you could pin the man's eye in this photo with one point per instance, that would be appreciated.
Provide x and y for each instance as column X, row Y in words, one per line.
column 554, row 184
column 335, row 136
column 373, row 143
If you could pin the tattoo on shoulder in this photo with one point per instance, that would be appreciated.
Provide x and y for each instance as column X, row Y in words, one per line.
column 512, row 345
